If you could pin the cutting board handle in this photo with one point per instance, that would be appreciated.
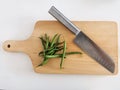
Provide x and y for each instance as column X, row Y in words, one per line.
column 14, row 46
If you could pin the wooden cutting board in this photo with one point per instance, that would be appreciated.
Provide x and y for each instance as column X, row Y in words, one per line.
column 104, row 33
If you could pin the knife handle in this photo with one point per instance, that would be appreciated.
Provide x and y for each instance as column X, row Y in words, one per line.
column 64, row 20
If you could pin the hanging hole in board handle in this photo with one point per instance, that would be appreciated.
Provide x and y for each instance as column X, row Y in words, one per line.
column 8, row 46
column 13, row 45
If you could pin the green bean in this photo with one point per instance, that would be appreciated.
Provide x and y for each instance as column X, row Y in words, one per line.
column 45, row 61
column 43, row 42
column 60, row 55
column 69, row 53
column 51, row 51
column 53, row 40
column 53, row 56
column 63, row 55
column 58, row 39
column 47, row 41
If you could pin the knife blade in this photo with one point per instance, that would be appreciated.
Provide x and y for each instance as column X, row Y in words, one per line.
column 84, row 42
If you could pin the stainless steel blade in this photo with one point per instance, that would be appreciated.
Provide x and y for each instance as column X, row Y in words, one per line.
column 84, row 42
column 89, row 47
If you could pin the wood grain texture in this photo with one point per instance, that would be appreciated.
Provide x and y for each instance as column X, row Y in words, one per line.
column 104, row 33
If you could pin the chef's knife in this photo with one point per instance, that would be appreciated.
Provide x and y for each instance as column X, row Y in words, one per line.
column 84, row 42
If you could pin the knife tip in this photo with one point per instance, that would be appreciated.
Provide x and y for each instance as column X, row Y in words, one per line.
column 112, row 68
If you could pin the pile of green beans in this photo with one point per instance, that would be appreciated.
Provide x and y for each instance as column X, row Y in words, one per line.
column 53, row 48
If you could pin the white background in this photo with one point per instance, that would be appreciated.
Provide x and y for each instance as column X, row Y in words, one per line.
column 17, row 19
